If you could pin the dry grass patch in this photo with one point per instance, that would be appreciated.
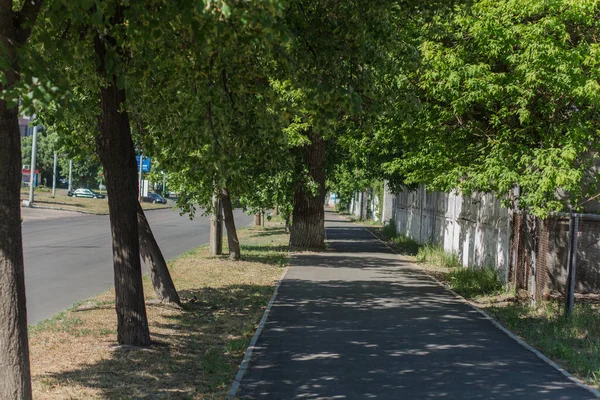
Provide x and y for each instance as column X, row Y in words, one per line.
column 43, row 198
column 196, row 350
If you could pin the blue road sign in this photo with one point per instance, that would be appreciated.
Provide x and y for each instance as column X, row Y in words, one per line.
column 146, row 164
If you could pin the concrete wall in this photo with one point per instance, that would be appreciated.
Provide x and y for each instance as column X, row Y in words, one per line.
column 388, row 212
column 474, row 227
column 361, row 205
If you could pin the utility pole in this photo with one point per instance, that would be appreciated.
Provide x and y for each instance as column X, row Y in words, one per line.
column 54, row 176
column 70, row 175
column 29, row 203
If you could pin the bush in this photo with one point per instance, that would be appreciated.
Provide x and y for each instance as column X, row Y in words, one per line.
column 389, row 230
column 406, row 245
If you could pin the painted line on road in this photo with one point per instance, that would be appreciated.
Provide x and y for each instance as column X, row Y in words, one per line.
column 498, row 325
column 248, row 355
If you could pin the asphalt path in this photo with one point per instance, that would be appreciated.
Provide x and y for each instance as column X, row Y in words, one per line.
column 359, row 322
column 68, row 256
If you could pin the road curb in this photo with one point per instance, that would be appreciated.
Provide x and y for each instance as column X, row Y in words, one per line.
column 87, row 212
column 64, row 209
column 248, row 355
column 501, row 327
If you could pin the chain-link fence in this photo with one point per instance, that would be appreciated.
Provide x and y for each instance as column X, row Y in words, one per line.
column 539, row 252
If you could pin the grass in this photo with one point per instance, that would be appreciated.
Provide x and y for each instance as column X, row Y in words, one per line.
column 196, row 351
column 470, row 282
column 43, row 197
column 405, row 245
column 402, row 244
column 572, row 343
column 389, row 230
column 370, row 222
column 436, row 255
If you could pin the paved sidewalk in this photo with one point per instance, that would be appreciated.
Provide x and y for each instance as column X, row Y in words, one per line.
column 358, row 322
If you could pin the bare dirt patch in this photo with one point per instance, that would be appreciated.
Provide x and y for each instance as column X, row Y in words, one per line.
column 196, row 351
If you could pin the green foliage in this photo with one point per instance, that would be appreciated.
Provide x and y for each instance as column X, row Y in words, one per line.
column 389, row 229
column 46, row 146
column 506, row 96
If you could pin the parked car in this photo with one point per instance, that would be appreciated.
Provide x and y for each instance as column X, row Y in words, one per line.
column 89, row 193
column 155, row 198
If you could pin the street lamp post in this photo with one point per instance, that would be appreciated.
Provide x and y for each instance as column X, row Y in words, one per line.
column 29, row 203
column 141, row 156
column 54, row 176
column 70, row 175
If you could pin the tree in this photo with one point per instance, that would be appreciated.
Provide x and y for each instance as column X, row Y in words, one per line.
column 15, row 29
column 116, row 151
column 334, row 49
column 508, row 96
column 216, row 113
column 103, row 38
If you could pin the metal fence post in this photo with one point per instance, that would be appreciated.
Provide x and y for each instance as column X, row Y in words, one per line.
column 571, row 263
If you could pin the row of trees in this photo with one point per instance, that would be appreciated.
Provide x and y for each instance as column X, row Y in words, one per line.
column 488, row 96
column 86, row 170
column 234, row 99
column 267, row 102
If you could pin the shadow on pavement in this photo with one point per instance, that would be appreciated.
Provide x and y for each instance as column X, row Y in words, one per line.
column 360, row 323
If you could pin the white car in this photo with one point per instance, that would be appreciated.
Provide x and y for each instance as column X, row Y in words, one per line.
column 89, row 193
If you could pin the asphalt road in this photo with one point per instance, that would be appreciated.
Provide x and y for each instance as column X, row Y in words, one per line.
column 68, row 256
column 359, row 322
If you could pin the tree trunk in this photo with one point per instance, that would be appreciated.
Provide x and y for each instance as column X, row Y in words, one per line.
column 159, row 272
column 232, row 238
column 216, row 227
column 15, row 382
column 15, row 378
column 257, row 219
column 116, row 151
column 308, row 228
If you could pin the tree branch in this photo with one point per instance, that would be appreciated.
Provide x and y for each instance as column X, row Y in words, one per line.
column 25, row 19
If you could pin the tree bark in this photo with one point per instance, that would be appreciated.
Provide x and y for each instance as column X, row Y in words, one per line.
column 216, row 226
column 14, row 352
column 15, row 376
column 232, row 237
column 164, row 288
column 308, row 227
column 15, row 380
column 116, row 151
column 257, row 219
